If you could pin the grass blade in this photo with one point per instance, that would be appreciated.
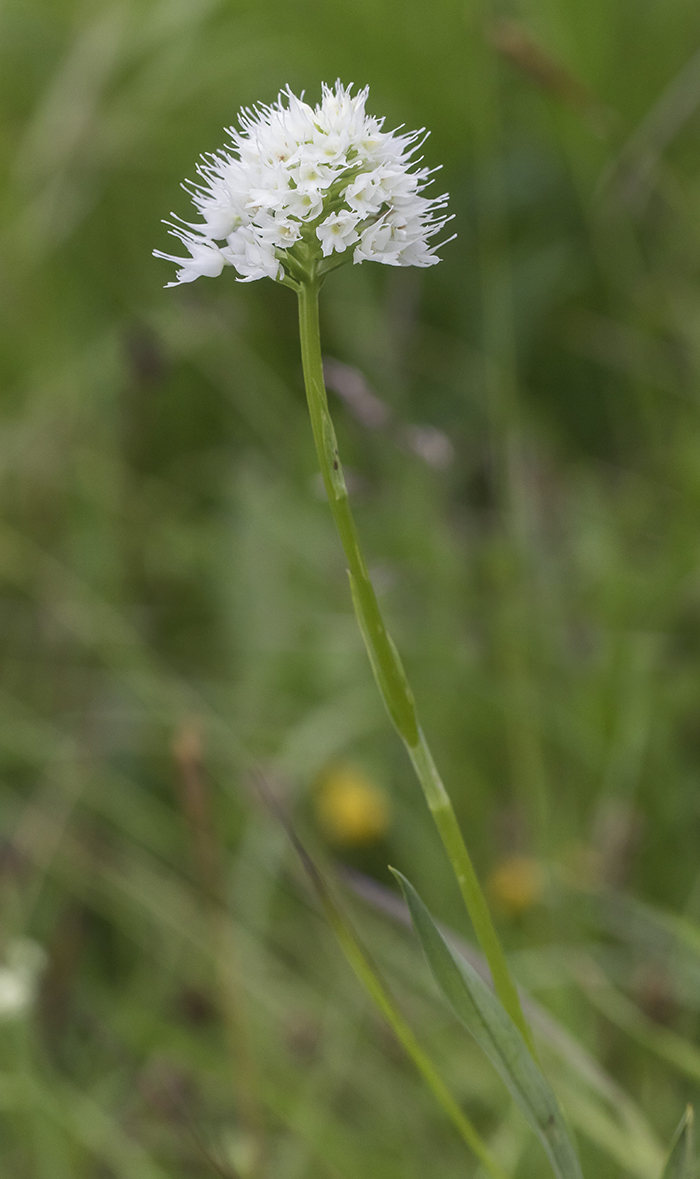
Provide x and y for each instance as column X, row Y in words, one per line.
column 493, row 1029
column 681, row 1161
column 373, row 984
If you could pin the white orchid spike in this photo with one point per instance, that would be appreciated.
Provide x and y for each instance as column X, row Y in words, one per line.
column 303, row 189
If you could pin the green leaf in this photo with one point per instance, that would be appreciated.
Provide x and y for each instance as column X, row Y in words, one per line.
column 681, row 1161
column 481, row 1013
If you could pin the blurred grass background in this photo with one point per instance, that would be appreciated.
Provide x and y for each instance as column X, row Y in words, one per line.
column 175, row 614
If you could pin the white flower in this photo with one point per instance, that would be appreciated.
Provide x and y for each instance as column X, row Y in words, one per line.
column 19, row 977
column 206, row 258
column 363, row 193
column 251, row 254
column 300, row 189
column 338, row 232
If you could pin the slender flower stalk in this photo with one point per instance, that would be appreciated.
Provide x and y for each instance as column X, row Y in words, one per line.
column 386, row 663
column 308, row 190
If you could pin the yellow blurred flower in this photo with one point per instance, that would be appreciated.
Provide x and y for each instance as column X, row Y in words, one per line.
column 350, row 808
column 516, row 884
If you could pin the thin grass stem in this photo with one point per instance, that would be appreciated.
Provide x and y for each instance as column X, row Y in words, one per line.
column 196, row 805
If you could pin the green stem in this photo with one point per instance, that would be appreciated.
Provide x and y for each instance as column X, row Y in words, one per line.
column 386, row 664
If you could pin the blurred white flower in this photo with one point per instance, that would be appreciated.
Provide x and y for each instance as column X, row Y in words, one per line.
column 19, row 977
column 301, row 185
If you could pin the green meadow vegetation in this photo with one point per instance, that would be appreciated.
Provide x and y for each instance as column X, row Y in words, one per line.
column 183, row 685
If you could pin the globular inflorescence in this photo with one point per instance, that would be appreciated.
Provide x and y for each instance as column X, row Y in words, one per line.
column 302, row 189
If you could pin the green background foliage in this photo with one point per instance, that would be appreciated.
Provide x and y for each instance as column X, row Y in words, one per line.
column 530, row 511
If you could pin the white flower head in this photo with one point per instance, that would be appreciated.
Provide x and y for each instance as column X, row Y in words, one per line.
column 301, row 189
